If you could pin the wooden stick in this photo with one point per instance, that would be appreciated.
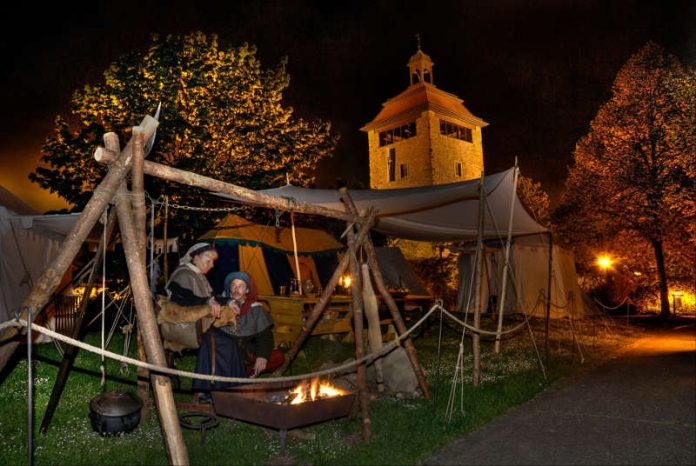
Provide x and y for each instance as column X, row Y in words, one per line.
column 51, row 276
column 68, row 360
column 325, row 298
column 247, row 195
column 139, row 218
column 356, row 291
column 164, row 397
column 389, row 301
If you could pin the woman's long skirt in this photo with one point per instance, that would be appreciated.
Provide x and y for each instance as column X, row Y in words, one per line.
column 218, row 354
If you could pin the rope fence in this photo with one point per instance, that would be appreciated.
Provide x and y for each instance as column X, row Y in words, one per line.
column 170, row 371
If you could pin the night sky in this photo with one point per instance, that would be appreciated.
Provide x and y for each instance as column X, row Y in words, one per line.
column 537, row 71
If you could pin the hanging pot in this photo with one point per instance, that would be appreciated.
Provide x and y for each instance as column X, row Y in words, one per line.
column 115, row 412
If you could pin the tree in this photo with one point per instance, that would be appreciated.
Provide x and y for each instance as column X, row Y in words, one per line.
column 222, row 117
column 635, row 171
column 534, row 199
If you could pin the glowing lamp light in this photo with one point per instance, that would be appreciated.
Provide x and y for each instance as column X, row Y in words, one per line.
column 346, row 281
column 604, row 262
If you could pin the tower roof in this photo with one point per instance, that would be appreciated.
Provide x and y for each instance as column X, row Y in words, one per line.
column 416, row 99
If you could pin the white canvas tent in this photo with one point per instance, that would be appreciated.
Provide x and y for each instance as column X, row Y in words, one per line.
column 449, row 212
column 28, row 243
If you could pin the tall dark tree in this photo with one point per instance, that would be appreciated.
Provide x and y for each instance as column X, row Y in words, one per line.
column 635, row 171
column 222, row 116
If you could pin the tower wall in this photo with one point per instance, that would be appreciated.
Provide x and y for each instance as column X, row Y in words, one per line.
column 448, row 151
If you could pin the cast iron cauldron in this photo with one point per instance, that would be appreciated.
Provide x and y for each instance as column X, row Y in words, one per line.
column 115, row 412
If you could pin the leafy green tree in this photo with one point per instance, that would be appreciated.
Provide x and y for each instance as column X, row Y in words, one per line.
column 635, row 172
column 222, row 116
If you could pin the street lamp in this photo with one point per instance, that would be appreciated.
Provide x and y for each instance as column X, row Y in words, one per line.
column 605, row 262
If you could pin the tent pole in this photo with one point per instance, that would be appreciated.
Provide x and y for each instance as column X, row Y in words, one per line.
column 312, row 320
column 476, row 337
column 396, row 315
column 548, row 298
column 501, row 303
column 294, row 250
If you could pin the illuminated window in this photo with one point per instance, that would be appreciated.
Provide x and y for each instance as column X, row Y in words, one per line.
column 456, row 131
column 391, row 162
column 397, row 134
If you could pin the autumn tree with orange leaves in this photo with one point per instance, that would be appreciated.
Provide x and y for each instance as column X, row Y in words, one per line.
column 632, row 186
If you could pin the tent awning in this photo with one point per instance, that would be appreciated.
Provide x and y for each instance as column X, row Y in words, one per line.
column 234, row 228
column 431, row 213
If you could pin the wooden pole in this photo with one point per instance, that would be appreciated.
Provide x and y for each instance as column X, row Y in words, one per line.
column 548, row 300
column 71, row 351
column 165, row 241
column 476, row 337
column 139, row 218
column 244, row 194
column 356, row 292
column 135, row 259
column 391, row 304
column 325, row 298
column 173, row 437
column 51, row 276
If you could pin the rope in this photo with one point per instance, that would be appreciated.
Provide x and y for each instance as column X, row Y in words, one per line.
column 166, row 370
column 611, row 308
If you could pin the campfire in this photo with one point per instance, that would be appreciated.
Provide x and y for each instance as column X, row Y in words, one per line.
column 284, row 406
column 312, row 391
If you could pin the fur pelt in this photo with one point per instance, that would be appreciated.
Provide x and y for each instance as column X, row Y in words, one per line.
column 173, row 313
column 178, row 323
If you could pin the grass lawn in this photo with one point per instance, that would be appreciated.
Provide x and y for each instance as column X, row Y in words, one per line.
column 405, row 431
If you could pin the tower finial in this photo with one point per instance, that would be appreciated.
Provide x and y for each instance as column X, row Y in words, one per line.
column 418, row 40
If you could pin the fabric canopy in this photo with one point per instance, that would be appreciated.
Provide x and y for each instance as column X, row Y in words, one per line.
column 242, row 231
column 28, row 243
column 432, row 213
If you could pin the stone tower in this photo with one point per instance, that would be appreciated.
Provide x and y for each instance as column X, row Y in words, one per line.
column 423, row 136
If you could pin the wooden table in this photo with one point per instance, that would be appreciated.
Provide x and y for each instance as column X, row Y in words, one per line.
column 291, row 312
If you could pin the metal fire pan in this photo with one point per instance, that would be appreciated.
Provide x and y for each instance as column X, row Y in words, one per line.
column 251, row 403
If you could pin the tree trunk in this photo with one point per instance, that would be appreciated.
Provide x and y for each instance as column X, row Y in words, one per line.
column 662, row 276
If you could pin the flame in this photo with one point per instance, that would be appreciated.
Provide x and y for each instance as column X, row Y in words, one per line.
column 313, row 391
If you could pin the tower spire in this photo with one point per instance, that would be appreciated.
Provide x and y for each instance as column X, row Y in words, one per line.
column 420, row 66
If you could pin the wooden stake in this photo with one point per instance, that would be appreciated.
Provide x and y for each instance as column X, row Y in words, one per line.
column 391, row 304
column 325, row 298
